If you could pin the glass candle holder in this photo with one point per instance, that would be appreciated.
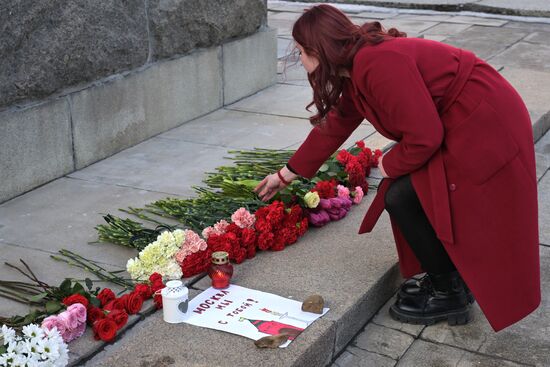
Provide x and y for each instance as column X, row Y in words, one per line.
column 220, row 270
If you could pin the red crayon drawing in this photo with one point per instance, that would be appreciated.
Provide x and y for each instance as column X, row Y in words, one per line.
column 274, row 328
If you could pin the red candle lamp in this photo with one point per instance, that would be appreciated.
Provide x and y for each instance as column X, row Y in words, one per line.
column 220, row 270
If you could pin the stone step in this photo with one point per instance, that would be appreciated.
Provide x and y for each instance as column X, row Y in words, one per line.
column 355, row 275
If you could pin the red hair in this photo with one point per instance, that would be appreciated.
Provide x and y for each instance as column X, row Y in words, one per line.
column 329, row 35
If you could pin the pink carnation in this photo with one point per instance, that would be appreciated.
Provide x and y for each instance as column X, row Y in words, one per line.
column 221, row 226
column 358, row 195
column 208, row 231
column 182, row 254
column 343, row 192
column 79, row 310
column 243, row 218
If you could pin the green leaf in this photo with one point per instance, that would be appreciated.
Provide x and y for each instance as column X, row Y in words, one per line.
column 66, row 286
column 118, row 271
column 29, row 318
column 94, row 301
column 3, row 349
column 89, row 283
column 323, row 168
column 52, row 307
column 78, row 288
column 37, row 298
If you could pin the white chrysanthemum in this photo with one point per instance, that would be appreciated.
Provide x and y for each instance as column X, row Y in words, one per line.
column 8, row 334
column 33, row 331
column 63, row 359
column 20, row 360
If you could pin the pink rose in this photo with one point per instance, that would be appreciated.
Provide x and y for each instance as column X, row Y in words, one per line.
column 53, row 321
column 79, row 310
column 358, row 195
column 69, row 319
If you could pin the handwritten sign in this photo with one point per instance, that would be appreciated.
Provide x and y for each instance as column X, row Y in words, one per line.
column 248, row 312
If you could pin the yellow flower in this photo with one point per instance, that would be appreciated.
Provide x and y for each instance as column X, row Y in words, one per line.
column 312, row 199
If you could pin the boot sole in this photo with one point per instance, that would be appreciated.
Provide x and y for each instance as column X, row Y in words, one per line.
column 455, row 317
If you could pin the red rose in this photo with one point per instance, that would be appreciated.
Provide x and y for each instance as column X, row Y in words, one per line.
column 144, row 290
column 93, row 314
column 105, row 296
column 265, row 240
column 195, row 263
column 105, row 329
column 155, row 277
column 157, row 299
column 133, row 303
column 120, row 317
column 75, row 298
column 156, row 282
column 115, row 304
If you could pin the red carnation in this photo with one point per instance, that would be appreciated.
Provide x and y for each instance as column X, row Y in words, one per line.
column 325, row 189
column 105, row 329
column 240, row 255
column 133, row 303
column 278, row 243
column 115, row 304
column 156, row 282
column 296, row 214
column 233, row 228
column 75, row 298
column 289, row 235
column 262, row 225
column 302, row 227
column 105, row 296
column 93, row 314
column 120, row 317
column 248, row 237
column 360, row 144
column 265, row 240
column 343, row 157
column 251, row 252
column 195, row 263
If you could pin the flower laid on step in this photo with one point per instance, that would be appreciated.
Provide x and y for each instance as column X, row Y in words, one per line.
column 357, row 163
column 35, row 347
column 158, row 257
column 357, row 195
column 70, row 323
column 311, row 199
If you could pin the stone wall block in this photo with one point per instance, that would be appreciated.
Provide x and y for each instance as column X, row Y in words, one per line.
column 178, row 26
column 116, row 115
column 35, row 147
column 50, row 45
column 249, row 65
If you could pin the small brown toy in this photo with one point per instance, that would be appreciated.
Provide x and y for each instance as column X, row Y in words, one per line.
column 272, row 341
column 313, row 304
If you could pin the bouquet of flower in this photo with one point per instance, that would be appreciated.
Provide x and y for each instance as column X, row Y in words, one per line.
column 36, row 347
column 70, row 323
column 158, row 257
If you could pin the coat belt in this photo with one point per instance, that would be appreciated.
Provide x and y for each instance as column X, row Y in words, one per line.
column 435, row 167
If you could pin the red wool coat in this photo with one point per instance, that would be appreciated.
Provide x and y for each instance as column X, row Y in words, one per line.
column 465, row 137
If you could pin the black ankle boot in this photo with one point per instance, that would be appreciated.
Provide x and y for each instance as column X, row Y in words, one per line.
column 414, row 287
column 446, row 300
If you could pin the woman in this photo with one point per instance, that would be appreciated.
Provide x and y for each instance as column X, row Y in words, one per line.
column 460, row 184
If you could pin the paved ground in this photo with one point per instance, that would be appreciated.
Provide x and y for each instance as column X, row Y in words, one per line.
column 355, row 283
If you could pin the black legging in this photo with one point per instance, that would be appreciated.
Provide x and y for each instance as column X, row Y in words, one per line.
column 405, row 209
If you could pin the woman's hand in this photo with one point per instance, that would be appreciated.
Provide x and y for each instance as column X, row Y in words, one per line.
column 272, row 184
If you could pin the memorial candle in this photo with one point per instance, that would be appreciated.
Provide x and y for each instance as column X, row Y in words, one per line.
column 220, row 270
